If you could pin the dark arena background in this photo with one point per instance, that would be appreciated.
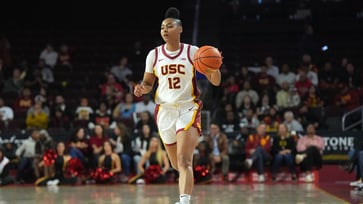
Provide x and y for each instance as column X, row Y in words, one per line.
column 303, row 57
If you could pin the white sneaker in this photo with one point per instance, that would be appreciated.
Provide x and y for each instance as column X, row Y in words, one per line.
column 248, row 163
column 261, row 178
column 299, row 158
column 356, row 183
column 140, row 181
column 309, row 178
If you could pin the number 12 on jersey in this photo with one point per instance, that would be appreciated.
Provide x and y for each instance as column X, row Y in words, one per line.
column 174, row 82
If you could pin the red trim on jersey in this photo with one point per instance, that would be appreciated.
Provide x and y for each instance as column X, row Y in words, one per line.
column 156, row 111
column 189, row 57
column 156, row 56
column 195, row 85
column 170, row 144
column 172, row 57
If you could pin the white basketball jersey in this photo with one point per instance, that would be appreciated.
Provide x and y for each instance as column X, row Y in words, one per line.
column 176, row 75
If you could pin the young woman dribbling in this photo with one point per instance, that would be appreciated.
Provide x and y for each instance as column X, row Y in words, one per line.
column 178, row 107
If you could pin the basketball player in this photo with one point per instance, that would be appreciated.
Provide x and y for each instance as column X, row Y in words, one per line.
column 178, row 108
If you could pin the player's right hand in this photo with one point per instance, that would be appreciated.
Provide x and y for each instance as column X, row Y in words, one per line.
column 139, row 89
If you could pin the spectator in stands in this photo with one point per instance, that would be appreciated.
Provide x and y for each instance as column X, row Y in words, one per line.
column 140, row 144
column 351, row 76
column 246, row 104
column 265, row 82
column 347, row 98
column 245, row 75
column 103, row 116
column 26, row 152
column 303, row 83
column 258, row 147
column 230, row 123
column 34, row 79
column 46, row 72
column 249, row 120
column 122, row 69
column 38, row 99
column 60, row 120
column 328, row 81
column 64, row 56
column 111, row 88
column 83, row 113
column 291, row 123
column 272, row 120
column 37, row 117
column 264, row 105
column 309, row 152
column 24, row 101
column 294, row 98
column 5, row 177
column 246, row 91
column 147, row 104
column 124, row 110
column 6, row 113
column 50, row 55
column 146, row 118
column 272, row 69
column 283, row 151
column 286, row 75
column 44, row 143
column 59, row 103
column 154, row 164
column 312, row 99
column 310, row 74
column 202, row 163
column 95, row 145
column 231, row 88
column 218, row 143
column 283, row 96
column 307, row 62
column 79, row 145
column 123, row 146
column 15, row 83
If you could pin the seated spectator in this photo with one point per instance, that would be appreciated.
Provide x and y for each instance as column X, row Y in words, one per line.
column 121, row 70
column 245, row 74
column 140, row 144
column 264, row 106
column 272, row 69
column 311, row 75
column 246, row 91
column 57, row 164
column 122, row 143
column 38, row 99
column 258, row 148
column 250, row 120
column 6, row 112
column 265, row 82
column 286, row 75
column 154, row 164
column 347, row 98
column 34, row 79
column 309, row 152
column 202, row 163
column 60, row 120
column 351, row 76
column 231, row 88
column 49, row 55
column 5, row 177
column 246, row 105
column 24, row 101
column 37, row 118
column 78, row 145
column 15, row 83
column 302, row 83
column 283, row 151
column 218, row 143
column 328, row 80
column 60, row 103
column 44, row 143
column 46, row 73
column 64, row 56
column 147, row 104
column 272, row 120
column 294, row 98
column 102, row 116
column 124, row 110
column 291, row 123
column 98, row 137
column 112, row 88
column 230, row 123
column 83, row 113
column 26, row 152
column 146, row 118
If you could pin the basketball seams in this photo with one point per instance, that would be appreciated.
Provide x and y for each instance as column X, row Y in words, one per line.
column 211, row 56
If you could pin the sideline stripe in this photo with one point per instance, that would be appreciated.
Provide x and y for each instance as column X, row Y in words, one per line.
column 332, row 195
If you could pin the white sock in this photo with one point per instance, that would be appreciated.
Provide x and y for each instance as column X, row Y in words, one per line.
column 184, row 199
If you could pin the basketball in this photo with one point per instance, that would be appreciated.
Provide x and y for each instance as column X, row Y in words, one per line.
column 207, row 58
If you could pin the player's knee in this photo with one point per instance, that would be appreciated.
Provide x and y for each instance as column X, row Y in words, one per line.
column 174, row 165
column 184, row 162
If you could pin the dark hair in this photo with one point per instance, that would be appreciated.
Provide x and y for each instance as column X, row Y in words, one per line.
column 174, row 13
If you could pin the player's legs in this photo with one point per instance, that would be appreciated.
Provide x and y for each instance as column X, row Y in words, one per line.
column 187, row 141
column 171, row 150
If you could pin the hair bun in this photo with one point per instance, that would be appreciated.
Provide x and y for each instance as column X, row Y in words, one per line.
column 172, row 12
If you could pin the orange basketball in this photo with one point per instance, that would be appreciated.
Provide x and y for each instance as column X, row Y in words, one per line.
column 207, row 58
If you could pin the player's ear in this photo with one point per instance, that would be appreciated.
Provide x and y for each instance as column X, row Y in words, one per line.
column 180, row 29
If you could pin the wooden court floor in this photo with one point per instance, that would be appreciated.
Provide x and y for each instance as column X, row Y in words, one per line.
column 167, row 194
